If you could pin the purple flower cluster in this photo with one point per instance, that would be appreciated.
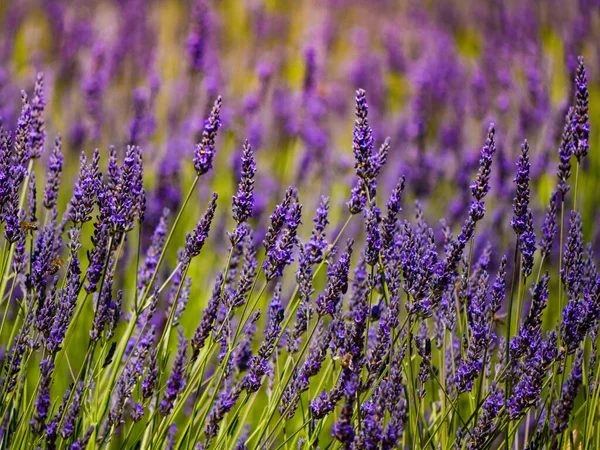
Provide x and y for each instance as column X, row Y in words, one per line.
column 372, row 327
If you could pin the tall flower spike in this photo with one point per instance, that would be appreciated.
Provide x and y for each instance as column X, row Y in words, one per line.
column 67, row 299
column 521, row 200
column 280, row 255
column 55, row 167
column 157, row 244
column 205, row 150
column 37, row 133
column 72, row 414
column 208, row 318
column 372, row 219
column 582, row 126
column 317, row 244
column 527, row 246
column 362, row 142
column 277, row 218
column 488, row 420
column 561, row 410
column 176, row 380
column 243, row 201
column 84, row 193
column 42, row 402
column 549, row 227
column 481, row 185
column 337, row 283
column 565, row 151
column 195, row 241
column 390, row 221
column 23, row 132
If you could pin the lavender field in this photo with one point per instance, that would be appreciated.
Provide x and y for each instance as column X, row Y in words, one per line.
column 275, row 224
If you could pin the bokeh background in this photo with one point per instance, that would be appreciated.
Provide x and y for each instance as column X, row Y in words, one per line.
column 436, row 75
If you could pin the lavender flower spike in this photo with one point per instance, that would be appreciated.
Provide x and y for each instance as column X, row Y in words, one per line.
column 176, row 381
column 195, row 241
column 521, row 200
column 481, row 185
column 565, row 151
column 42, row 402
column 243, row 201
column 582, row 125
column 205, row 150
column 561, row 410
column 55, row 167
column 37, row 133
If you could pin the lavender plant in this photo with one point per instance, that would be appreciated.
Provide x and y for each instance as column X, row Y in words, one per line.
column 137, row 310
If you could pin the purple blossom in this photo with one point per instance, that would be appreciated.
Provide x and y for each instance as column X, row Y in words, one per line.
column 205, row 150
column 37, row 134
column 562, row 407
column 565, row 151
column 84, row 192
column 243, row 201
column 42, row 402
column 337, row 284
column 176, row 381
column 582, row 124
column 521, row 200
column 208, row 318
column 55, row 167
column 481, row 185
column 195, row 241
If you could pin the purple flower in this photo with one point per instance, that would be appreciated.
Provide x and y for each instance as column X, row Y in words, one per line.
column 122, row 199
column 573, row 254
column 259, row 363
column 481, row 185
column 316, row 246
column 55, row 167
column 549, row 227
column 532, row 326
column 151, row 377
column 72, row 413
column 82, row 203
column 223, row 405
column 488, row 420
column 176, row 381
column 562, row 407
column 280, row 255
column 243, row 201
column 362, row 142
column 137, row 412
column 526, row 393
column 82, row 443
column 390, row 221
column 582, row 124
column 195, row 241
column 337, row 284
column 42, row 401
column 37, row 133
column 521, row 200
column 208, row 318
column 66, row 300
column 277, row 219
column 149, row 266
column 373, row 246
column 527, row 246
column 565, row 151
column 97, row 256
column 205, row 150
